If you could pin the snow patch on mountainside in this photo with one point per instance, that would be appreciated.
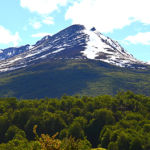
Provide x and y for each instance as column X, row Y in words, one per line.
column 100, row 47
column 12, row 68
column 94, row 45
column 1, row 51
column 31, row 46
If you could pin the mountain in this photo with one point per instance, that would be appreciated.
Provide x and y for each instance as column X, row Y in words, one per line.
column 76, row 60
column 74, row 42
column 12, row 51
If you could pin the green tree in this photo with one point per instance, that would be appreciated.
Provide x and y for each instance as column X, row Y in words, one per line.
column 105, row 137
column 4, row 124
column 12, row 132
column 113, row 146
column 75, row 130
column 123, row 141
column 136, row 144
column 101, row 118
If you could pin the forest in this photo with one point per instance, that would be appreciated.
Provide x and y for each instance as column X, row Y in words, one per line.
column 119, row 122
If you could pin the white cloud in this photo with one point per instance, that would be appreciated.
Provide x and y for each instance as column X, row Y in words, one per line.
column 43, row 6
column 40, row 35
column 108, row 15
column 48, row 20
column 140, row 38
column 35, row 24
column 6, row 37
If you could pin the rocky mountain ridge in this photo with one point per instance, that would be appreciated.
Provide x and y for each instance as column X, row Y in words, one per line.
column 74, row 42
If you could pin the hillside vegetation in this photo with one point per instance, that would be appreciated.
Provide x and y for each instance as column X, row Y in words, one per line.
column 120, row 122
column 53, row 78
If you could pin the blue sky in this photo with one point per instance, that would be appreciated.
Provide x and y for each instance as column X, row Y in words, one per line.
column 26, row 21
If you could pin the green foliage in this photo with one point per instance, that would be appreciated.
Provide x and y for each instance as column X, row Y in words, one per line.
column 146, row 128
column 75, row 130
column 123, row 141
column 136, row 144
column 119, row 122
column 12, row 132
column 52, row 143
column 105, row 137
column 113, row 146
column 82, row 77
column 102, row 117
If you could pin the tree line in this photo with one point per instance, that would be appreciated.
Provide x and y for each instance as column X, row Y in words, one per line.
column 120, row 122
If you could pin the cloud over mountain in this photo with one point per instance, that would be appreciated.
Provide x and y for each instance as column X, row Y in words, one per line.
column 140, row 38
column 108, row 15
column 6, row 37
column 42, row 6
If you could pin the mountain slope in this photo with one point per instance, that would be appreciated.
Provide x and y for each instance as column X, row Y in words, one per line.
column 73, row 61
column 13, row 51
column 74, row 42
column 86, row 77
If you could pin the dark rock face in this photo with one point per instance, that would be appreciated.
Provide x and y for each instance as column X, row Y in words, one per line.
column 13, row 51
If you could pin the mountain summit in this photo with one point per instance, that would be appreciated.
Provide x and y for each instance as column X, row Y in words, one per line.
column 74, row 42
column 76, row 60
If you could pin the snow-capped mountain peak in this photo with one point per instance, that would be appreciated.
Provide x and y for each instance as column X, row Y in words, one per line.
column 100, row 47
column 74, row 42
